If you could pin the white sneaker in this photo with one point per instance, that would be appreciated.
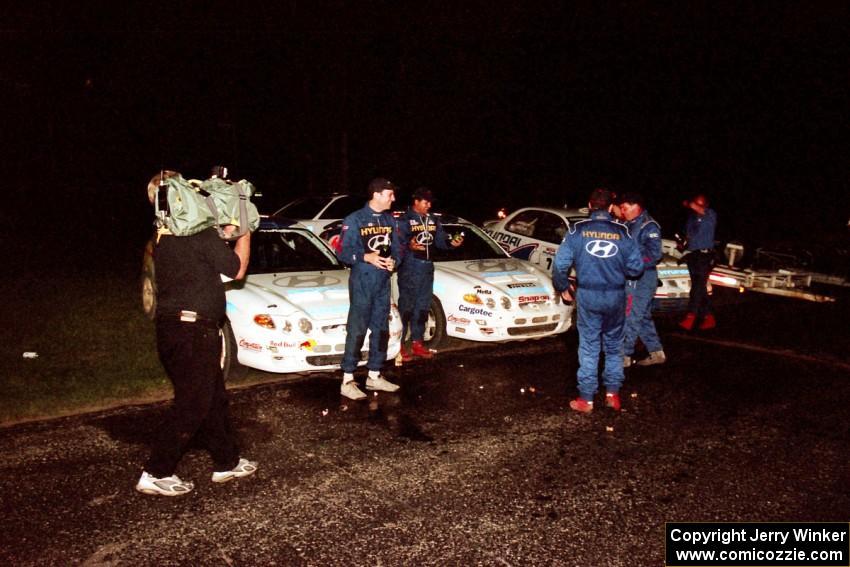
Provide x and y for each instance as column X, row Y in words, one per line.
column 351, row 391
column 656, row 357
column 381, row 383
column 243, row 468
column 165, row 486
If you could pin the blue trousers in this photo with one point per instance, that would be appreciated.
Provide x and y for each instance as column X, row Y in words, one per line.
column 639, row 323
column 601, row 319
column 369, row 310
column 415, row 287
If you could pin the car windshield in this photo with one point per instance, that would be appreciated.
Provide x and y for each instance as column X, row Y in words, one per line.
column 305, row 208
column 289, row 250
column 308, row 208
column 343, row 206
column 476, row 245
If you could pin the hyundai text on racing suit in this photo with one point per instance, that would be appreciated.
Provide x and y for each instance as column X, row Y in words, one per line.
column 419, row 233
column 603, row 253
column 370, row 246
column 646, row 232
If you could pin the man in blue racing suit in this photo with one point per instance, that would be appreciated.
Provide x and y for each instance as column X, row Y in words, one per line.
column 699, row 248
column 370, row 246
column 603, row 253
column 639, row 292
column 419, row 234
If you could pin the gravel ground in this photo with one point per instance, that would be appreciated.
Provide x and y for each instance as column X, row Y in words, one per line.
column 477, row 461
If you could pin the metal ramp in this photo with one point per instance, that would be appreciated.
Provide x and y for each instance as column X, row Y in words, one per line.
column 783, row 282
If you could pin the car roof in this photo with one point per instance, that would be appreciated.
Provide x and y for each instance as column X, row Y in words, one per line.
column 444, row 217
column 326, row 197
column 564, row 212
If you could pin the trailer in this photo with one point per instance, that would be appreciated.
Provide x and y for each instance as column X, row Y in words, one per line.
column 776, row 281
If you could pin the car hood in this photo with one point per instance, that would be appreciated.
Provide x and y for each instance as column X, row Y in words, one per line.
column 320, row 295
column 510, row 276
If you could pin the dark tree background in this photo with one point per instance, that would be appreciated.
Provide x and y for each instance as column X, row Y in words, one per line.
column 490, row 103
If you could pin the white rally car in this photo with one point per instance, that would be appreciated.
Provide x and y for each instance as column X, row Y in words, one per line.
column 482, row 294
column 290, row 312
column 316, row 212
column 534, row 234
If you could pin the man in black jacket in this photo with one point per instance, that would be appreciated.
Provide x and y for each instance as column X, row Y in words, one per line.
column 190, row 310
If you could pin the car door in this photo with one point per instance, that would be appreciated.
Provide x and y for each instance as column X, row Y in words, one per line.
column 549, row 231
column 518, row 236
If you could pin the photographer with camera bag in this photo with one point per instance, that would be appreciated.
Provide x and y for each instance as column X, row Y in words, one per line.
column 190, row 310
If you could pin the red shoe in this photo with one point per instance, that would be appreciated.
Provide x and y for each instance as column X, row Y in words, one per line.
column 612, row 401
column 708, row 323
column 581, row 405
column 421, row 350
column 406, row 355
column 688, row 322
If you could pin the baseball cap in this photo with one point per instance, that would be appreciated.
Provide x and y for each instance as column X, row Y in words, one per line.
column 698, row 200
column 423, row 193
column 380, row 184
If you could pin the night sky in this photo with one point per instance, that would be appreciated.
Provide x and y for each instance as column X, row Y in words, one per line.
column 489, row 103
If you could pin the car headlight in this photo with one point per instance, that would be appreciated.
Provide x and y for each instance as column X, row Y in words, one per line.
column 491, row 303
column 472, row 298
column 264, row 320
column 506, row 303
column 304, row 325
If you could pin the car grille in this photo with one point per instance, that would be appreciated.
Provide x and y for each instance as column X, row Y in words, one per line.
column 331, row 359
column 531, row 330
column 320, row 349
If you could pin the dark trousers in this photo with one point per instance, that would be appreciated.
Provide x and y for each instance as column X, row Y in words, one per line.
column 415, row 287
column 191, row 356
column 699, row 268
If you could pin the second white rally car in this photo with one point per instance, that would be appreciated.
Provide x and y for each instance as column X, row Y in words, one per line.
column 534, row 234
column 482, row 294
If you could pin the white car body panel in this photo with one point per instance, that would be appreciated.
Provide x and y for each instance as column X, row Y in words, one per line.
column 535, row 310
column 546, row 315
column 320, row 297
column 516, row 239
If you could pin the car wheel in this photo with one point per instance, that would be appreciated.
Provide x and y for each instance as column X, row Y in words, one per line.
column 148, row 282
column 149, row 294
column 228, row 350
column 435, row 327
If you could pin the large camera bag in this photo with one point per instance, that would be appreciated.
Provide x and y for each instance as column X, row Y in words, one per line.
column 186, row 207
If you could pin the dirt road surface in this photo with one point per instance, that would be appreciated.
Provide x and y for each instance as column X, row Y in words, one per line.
column 477, row 461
